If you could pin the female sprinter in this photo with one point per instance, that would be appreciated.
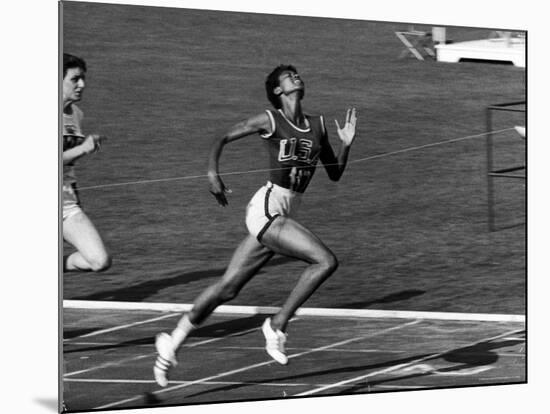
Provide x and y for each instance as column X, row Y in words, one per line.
column 295, row 143
column 78, row 229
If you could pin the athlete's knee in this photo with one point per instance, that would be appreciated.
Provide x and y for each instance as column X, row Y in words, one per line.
column 226, row 291
column 329, row 262
column 100, row 262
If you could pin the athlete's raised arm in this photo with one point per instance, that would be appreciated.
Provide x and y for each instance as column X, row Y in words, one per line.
column 336, row 164
column 253, row 125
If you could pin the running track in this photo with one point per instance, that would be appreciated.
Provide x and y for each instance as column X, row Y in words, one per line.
column 108, row 355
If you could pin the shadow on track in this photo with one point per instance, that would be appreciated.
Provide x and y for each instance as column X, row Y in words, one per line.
column 468, row 357
column 393, row 297
column 464, row 358
column 142, row 291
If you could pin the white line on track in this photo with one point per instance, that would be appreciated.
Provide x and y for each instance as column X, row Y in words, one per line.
column 135, row 358
column 108, row 365
column 507, row 379
column 119, row 327
column 261, row 364
column 336, row 350
column 367, row 351
column 295, row 349
column 330, row 312
column 395, row 367
column 444, row 372
column 125, row 381
column 401, row 387
column 83, row 343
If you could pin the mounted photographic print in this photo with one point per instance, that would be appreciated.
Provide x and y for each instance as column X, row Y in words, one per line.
column 260, row 207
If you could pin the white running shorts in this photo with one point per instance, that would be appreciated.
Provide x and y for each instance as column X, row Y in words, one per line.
column 267, row 204
column 71, row 203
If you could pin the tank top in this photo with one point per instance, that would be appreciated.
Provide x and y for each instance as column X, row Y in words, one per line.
column 72, row 136
column 293, row 151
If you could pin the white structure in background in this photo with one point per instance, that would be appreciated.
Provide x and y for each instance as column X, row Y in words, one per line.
column 501, row 46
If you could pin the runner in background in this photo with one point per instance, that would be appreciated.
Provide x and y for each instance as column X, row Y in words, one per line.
column 78, row 229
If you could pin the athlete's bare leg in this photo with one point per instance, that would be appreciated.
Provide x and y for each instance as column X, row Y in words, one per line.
column 247, row 260
column 285, row 236
column 288, row 237
column 91, row 253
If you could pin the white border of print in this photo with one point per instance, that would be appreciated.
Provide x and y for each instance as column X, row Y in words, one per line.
column 30, row 177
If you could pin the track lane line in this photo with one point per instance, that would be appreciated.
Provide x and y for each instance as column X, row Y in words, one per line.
column 120, row 327
column 152, row 381
column 329, row 312
column 186, row 345
column 399, row 366
column 257, row 365
column 136, row 358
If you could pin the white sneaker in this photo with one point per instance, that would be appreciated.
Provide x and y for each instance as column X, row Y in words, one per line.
column 166, row 358
column 274, row 342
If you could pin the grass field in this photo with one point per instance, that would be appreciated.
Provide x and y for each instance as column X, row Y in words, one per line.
column 410, row 229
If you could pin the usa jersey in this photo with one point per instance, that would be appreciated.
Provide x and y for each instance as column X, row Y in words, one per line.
column 72, row 136
column 294, row 151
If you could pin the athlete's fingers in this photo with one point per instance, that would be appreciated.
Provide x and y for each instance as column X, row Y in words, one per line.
column 223, row 188
column 300, row 175
column 348, row 115
column 293, row 178
column 220, row 198
column 337, row 125
column 354, row 116
column 218, row 190
column 223, row 199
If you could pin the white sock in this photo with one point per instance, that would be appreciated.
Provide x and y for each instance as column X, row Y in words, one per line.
column 182, row 330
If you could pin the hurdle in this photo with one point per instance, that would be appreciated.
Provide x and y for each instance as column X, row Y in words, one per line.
column 492, row 173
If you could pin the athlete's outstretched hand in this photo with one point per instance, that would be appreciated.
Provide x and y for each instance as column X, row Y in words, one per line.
column 347, row 133
column 218, row 189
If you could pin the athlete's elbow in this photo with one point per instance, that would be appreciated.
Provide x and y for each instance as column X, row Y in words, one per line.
column 219, row 142
column 217, row 146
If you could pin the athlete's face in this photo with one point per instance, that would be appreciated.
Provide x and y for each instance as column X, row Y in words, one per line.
column 73, row 85
column 290, row 81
